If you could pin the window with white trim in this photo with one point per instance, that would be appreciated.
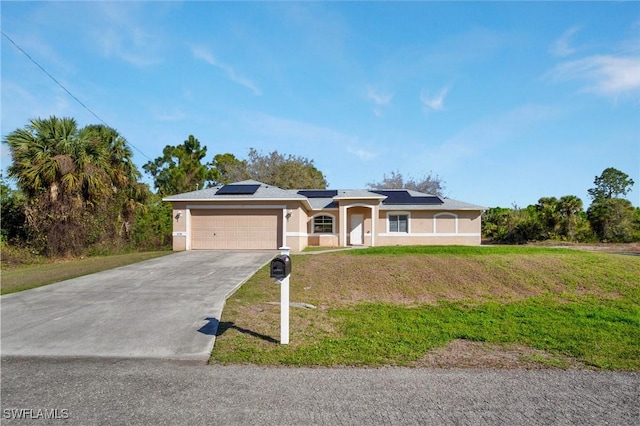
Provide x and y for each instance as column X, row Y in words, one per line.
column 398, row 223
column 323, row 224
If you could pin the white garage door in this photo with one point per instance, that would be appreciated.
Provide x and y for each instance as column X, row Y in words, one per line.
column 234, row 230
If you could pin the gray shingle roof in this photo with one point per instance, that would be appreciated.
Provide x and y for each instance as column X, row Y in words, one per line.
column 264, row 192
column 270, row 192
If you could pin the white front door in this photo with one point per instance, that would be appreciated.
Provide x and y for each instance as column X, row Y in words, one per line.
column 356, row 234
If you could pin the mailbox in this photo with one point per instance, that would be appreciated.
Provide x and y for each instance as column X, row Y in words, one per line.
column 281, row 267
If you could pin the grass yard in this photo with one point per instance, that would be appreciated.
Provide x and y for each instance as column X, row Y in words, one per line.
column 507, row 307
column 25, row 277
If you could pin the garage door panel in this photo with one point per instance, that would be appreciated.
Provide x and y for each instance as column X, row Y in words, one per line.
column 215, row 229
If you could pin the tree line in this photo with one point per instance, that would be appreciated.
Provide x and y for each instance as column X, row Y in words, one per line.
column 609, row 218
column 77, row 191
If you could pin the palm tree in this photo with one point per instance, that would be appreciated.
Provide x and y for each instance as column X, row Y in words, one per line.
column 75, row 180
column 570, row 207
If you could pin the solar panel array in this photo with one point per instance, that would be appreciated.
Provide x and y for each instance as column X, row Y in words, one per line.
column 318, row 193
column 238, row 190
column 403, row 197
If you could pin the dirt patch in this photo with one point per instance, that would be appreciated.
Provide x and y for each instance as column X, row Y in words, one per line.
column 467, row 354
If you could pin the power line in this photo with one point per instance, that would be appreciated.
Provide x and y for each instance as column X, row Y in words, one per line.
column 68, row 92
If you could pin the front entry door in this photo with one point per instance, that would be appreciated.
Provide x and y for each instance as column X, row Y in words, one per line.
column 357, row 227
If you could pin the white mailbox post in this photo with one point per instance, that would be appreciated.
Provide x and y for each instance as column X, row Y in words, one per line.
column 284, row 302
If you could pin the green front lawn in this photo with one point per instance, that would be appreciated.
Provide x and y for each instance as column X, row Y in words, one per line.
column 35, row 275
column 394, row 305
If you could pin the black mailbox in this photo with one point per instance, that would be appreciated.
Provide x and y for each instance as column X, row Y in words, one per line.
column 281, row 267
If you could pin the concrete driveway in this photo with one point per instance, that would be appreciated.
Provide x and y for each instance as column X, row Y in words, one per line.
column 167, row 308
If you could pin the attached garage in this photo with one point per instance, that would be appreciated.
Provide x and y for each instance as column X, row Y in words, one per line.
column 214, row 229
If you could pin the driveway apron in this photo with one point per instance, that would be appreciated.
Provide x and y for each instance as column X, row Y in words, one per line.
column 167, row 308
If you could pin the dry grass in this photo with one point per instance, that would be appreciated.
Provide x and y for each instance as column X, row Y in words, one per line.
column 467, row 354
column 338, row 279
column 339, row 283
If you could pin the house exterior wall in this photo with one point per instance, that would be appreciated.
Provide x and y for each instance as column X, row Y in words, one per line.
column 425, row 227
column 323, row 239
column 291, row 231
column 179, row 226
column 432, row 228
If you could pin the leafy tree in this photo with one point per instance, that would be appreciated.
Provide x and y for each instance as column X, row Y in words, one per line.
column 80, row 184
column 429, row 184
column 230, row 169
column 152, row 227
column 180, row 169
column 286, row 172
column 12, row 216
column 612, row 183
column 495, row 223
column 612, row 219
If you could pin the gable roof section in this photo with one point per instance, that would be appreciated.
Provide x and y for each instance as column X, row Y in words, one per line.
column 390, row 199
column 242, row 191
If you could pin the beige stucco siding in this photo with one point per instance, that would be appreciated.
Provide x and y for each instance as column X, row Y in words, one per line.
column 431, row 227
column 323, row 239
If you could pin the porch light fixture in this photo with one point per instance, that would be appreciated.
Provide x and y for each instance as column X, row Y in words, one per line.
column 178, row 215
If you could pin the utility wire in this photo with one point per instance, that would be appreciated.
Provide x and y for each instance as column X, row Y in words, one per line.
column 68, row 92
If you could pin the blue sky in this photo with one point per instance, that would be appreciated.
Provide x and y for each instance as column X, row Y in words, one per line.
column 506, row 102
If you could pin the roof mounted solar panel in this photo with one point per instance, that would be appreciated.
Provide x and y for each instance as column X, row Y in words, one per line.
column 404, row 197
column 318, row 193
column 238, row 190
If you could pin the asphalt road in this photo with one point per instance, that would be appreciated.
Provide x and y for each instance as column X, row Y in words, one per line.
column 157, row 392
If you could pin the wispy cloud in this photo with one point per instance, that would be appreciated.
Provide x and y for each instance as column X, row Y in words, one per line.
column 305, row 136
column 434, row 102
column 361, row 153
column 484, row 135
column 379, row 99
column 562, row 46
column 603, row 75
column 203, row 53
column 122, row 31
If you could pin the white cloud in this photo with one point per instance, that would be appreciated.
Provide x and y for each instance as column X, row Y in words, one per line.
column 436, row 102
column 379, row 98
column 123, row 31
column 562, row 46
column 205, row 54
column 604, row 75
column 362, row 154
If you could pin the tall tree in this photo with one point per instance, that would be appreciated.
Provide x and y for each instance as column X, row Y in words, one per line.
column 230, row 169
column 428, row 184
column 76, row 182
column 610, row 216
column 180, row 169
column 612, row 183
column 283, row 171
